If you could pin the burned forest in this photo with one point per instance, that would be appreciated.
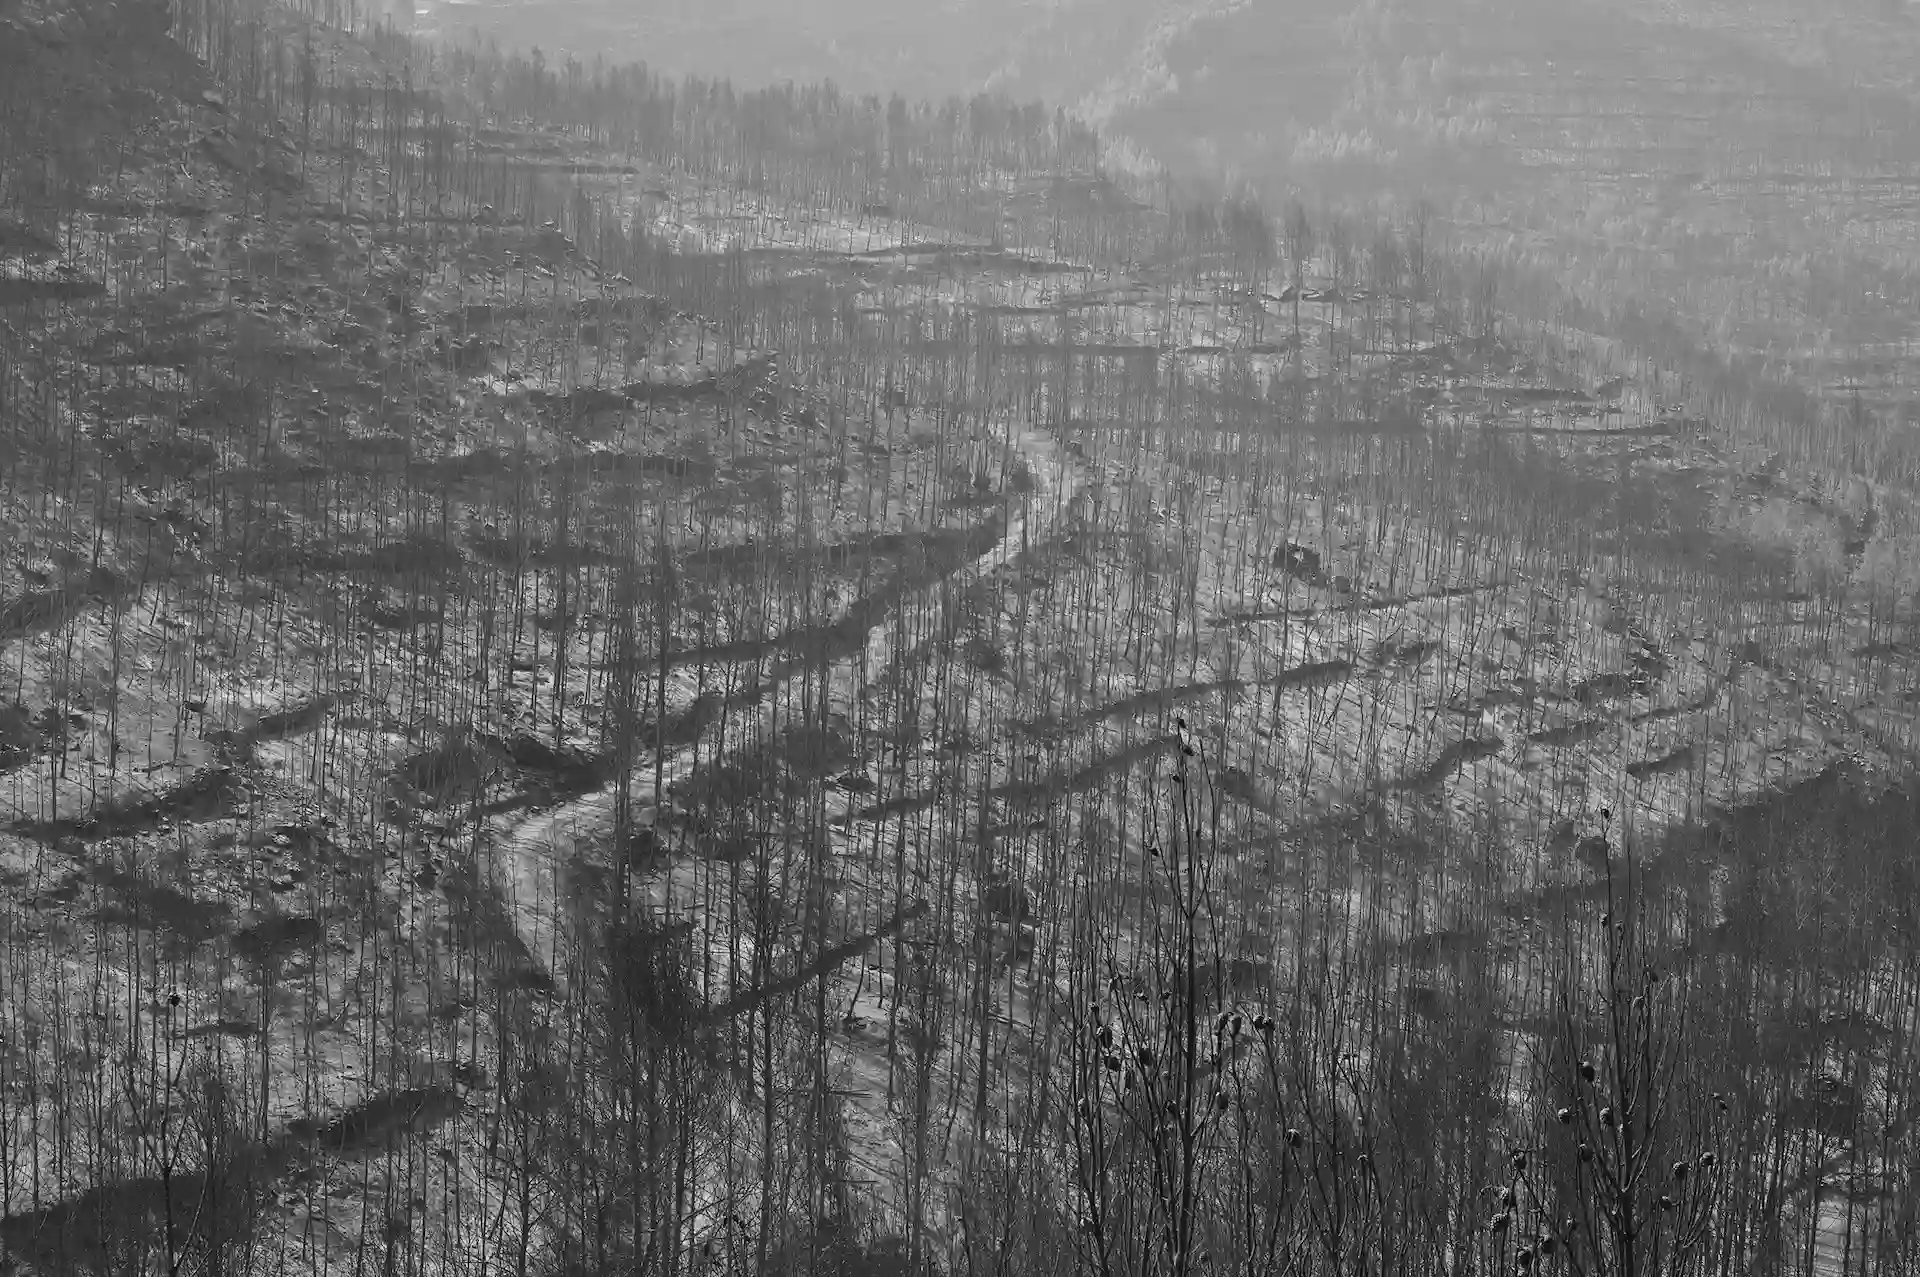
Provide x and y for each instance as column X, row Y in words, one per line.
column 606, row 671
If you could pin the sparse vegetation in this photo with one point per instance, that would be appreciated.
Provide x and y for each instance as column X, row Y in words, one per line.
column 605, row 673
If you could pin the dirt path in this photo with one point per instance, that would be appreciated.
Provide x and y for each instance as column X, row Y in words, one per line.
column 530, row 855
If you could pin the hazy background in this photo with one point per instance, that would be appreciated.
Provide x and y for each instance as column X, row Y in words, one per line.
column 1060, row 49
column 1732, row 168
column 574, row 644
column 1259, row 87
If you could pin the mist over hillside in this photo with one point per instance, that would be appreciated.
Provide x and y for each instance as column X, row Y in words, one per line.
column 1135, row 637
column 1057, row 49
column 1740, row 173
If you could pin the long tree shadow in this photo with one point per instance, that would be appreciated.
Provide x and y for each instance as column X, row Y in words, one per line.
column 1838, row 828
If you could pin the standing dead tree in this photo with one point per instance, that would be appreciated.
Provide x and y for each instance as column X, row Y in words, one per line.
column 1631, row 1177
column 1178, row 1096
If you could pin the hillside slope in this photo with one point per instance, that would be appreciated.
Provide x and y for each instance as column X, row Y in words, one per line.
column 579, row 653
column 1718, row 184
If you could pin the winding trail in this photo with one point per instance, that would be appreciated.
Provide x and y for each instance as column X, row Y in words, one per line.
column 529, row 856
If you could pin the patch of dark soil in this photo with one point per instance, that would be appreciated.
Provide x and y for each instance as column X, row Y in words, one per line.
column 1236, row 783
column 146, row 905
column 106, row 206
column 1247, row 976
column 34, row 612
column 573, row 168
column 25, row 292
column 572, row 408
column 1679, row 760
column 415, row 558
column 614, row 464
column 973, row 501
column 1159, row 699
column 738, row 652
column 1704, row 701
column 697, row 391
column 239, row 1030
column 1428, row 1003
column 906, row 805
column 481, row 915
column 560, row 770
column 62, row 893
column 272, row 940
column 376, row 1124
column 984, row 655
column 1838, row 806
column 548, row 774
column 941, row 258
column 846, row 636
column 1312, row 674
column 468, row 358
column 1301, row 562
column 1405, row 655
column 399, row 619
column 148, row 458
column 1405, row 600
column 1594, row 852
column 1095, row 773
column 178, row 355
column 206, row 795
column 1390, row 421
column 734, row 558
column 1854, row 1031
column 639, row 850
column 1828, row 1105
column 551, row 775
column 20, row 240
column 119, row 1227
column 1034, row 353
column 516, row 552
column 1589, row 432
column 458, row 766
column 815, row 752
column 1558, row 900
column 1008, row 901
column 1613, row 685
column 279, row 724
column 1859, row 534
column 518, row 141
column 819, row 964
column 1253, row 616
column 644, row 309
column 1460, row 753
column 1571, row 733
column 1648, row 659
column 1441, row 948
column 937, row 547
column 743, row 780
column 650, row 975
column 22, row 735
column 1842, row 828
